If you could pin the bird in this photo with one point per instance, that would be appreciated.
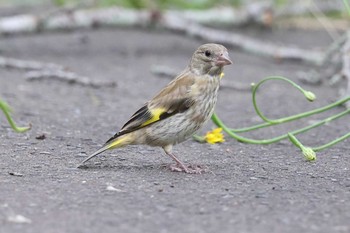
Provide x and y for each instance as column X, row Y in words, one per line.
column 180, row 109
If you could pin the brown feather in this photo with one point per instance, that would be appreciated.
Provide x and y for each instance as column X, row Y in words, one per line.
column 174, row 98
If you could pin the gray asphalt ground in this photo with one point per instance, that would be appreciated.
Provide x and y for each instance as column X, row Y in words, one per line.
column 251, row 188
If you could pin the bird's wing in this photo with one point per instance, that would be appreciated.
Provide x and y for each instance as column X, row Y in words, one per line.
column 174, row 98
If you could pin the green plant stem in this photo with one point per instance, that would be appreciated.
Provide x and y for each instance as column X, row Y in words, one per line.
column 307, row 151
column 291, row 118
column 199, row 138
column 295, row 141
column 219, row 123
column 285, row 119
column 6, row 110
column 325, row 146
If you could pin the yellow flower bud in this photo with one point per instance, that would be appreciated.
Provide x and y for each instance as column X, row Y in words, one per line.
column 310, row 96
column 309, row 153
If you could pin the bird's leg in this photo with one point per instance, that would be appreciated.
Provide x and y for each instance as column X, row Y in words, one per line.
column 180, row 166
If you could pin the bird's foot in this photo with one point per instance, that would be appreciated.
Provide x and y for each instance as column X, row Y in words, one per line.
column 190, row 169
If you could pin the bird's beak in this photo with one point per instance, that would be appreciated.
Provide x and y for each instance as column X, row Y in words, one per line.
column 223, row 60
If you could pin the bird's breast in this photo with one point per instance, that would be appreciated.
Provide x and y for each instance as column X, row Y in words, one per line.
column 206, row 97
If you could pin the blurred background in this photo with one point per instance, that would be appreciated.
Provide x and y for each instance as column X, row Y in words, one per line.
column 252, row 26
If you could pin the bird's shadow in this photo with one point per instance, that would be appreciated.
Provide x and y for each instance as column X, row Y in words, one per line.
column 100, row 166
column 163, row 167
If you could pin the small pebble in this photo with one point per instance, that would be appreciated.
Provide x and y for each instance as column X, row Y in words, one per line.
column 111, row 188
column 19, row 219
column 41, row 137
column 15, row 174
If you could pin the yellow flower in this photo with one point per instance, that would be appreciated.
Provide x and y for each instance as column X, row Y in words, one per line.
column 215, row 136
column 222, row 75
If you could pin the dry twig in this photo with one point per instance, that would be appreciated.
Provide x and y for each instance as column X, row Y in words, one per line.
column 66, row 76
column 188, row 23
column 38, row 70
column 243, row 42
column 346, row 66
column 12, row 63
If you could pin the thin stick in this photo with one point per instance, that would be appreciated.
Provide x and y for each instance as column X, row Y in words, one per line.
column 66, row 76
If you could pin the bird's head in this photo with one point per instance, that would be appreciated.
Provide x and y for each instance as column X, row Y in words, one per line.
column 210, row 59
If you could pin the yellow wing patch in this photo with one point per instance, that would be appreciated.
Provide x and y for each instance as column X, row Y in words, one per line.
column 117, row 143
column 155, row 113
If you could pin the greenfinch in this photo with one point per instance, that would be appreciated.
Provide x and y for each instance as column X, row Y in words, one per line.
column 178, row 110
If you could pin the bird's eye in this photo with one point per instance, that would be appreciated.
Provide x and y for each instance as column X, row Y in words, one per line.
column 207, row 53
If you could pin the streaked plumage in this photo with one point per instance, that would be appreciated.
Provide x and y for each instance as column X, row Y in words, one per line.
column 179, row 109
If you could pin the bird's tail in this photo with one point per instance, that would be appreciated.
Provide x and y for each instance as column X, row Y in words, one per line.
column 115, row 143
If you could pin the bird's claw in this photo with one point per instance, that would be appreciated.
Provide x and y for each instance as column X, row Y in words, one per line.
column 190, row 169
